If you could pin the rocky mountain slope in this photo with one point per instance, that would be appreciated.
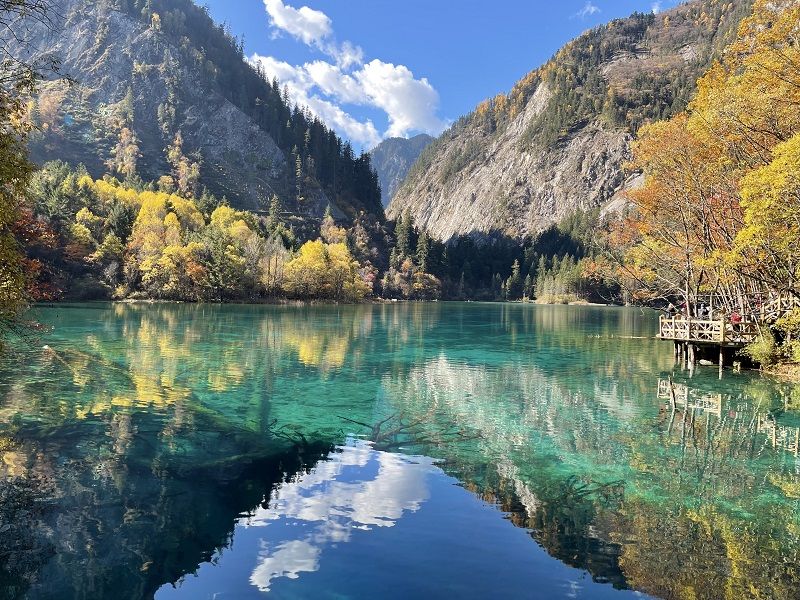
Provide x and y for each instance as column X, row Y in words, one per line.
column 159, row 89
column 393, row 158
column 560, row 139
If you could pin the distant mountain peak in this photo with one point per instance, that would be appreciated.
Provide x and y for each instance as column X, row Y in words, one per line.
column 392, row 159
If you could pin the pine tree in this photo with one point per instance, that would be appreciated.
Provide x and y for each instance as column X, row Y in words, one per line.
column 273, row 218
column 423, row 249
column 298, row 176
column 403, row 234
column 513, row 285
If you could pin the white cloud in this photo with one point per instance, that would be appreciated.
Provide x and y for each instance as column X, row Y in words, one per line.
column 410, row 104
column 306, row 24
column 362, row 132
column 656, row 7
column 313, row 28
column 347, row 54
column 331, row 80
column 588, row 9
column 292, row 77
column 300, row 81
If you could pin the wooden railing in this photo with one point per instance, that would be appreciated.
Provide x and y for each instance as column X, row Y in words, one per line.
column 680, row 391
column 778, row 307
column 781, row 436
column 685, row 399
column 707, row 331
column 764, row 307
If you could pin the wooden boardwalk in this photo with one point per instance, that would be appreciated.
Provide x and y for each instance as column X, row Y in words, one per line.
column 691, row 335
column 703, row 331
column 723, row 331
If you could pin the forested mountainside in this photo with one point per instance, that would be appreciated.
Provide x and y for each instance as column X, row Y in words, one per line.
column 558, row 142
column 161, row 90
column 393, row 158
column 114, row 232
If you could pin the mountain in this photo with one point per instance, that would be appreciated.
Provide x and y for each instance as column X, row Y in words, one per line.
column 393, row 158
column 160, row 89
column 558, row 142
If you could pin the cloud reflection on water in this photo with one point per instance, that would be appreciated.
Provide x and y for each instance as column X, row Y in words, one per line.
column 356, row 488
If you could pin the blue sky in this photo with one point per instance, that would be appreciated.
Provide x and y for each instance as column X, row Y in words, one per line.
column 373, row 69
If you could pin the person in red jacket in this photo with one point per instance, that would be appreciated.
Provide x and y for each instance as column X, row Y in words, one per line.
column 736, row 319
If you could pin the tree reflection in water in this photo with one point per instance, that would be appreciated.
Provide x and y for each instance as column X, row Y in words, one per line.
column 697, row 498
column 130, row 450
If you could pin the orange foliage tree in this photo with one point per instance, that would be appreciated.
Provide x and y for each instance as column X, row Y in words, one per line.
column 709, row 175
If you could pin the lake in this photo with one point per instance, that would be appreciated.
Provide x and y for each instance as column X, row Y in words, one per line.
column 405, row 450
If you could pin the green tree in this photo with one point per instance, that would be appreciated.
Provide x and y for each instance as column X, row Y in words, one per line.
column 423, row 249
column 403, row 234
column 514, row 282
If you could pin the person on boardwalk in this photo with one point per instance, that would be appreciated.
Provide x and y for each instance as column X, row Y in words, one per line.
column 736, row 320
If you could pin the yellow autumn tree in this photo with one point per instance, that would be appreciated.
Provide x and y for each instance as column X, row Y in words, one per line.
column 186, row 173
column 686, row 212
column 324, row 271
column 716, row 175
column 163, row 221
column 125, row 153
column 768, row 246
column 178, row 273
column 19, row 82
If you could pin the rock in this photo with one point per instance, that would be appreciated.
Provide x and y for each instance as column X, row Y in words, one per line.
column 496, row 172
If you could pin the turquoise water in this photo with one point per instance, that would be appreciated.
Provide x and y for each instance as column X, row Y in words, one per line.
column 404, row 450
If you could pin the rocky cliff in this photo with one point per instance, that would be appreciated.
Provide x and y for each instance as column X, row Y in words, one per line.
column 393, row 158
column 160, row 89
column 560, row 139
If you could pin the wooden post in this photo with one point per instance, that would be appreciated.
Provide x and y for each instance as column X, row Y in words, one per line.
column 721, row 359
column 672, row 394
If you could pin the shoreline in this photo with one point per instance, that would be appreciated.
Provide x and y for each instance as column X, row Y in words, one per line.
column 311, row 302
column 788, row 372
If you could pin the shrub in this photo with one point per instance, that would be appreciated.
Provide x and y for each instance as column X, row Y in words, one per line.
column 764, row 350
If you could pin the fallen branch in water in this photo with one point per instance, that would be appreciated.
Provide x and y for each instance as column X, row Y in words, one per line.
column 415, row 432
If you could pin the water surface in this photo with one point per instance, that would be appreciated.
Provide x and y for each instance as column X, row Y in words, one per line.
column 409, row 450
